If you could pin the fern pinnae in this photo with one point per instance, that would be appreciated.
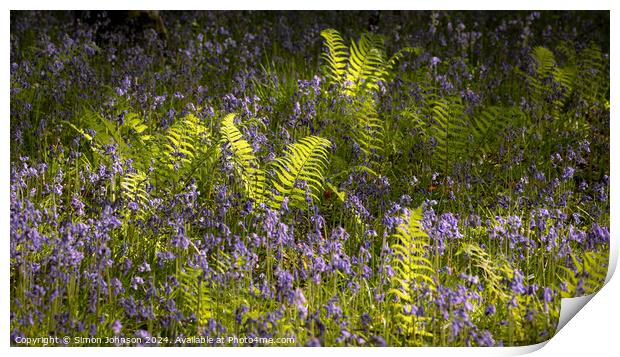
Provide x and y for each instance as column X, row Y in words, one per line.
column 412, row 271
column 365, row 62
column 494, row 269
column 194, row 295
column 244, row 162
column 592, row 79
column 306, row 160
column 588, row 276
column 547, row 69
column 134, row 187
column 368, row 131
column 336, row 57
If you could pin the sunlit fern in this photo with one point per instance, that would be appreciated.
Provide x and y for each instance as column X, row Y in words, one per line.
column 412, row 271
column 336, row 57
column 358, row 71
column 133, row 186
column 588, row 276
column 194, row 295
column 132, row 142
column 184, row 141
column 494, row 271
column 304, row 162
column 368, row 129
column 246, row 166
column 360, row 67
column 443, row 120
column 185, row 152
column 130, row 136
column 366, row 64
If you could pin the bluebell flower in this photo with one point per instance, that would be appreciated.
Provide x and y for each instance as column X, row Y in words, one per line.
column 516, row 284
column 568, row 173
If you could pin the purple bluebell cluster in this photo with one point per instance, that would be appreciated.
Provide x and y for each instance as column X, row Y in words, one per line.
column 133, row 216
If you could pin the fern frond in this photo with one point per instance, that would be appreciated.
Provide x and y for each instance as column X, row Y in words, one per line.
column 548, row 71
column 368, row 129
column 133, row 186
column 449, row 127
column 494, row 270
column 130, row 136
column 194, row 295
column 244, row 162
column 412, row 271
column 183, row 141
column 589, row 275
column 336, row 57
column 360, row 68
column 366, row 64
column 136, row 127
column 545, row 61
column 592, row 81
column 185, row 149
column 306, row 160
column 487, row 126
column 388, row 70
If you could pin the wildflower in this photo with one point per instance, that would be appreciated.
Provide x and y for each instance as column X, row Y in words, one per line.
column 78, row 206
column 299, row 301
column 145, row 267
column 547, row 297
column 485, row 339
column 516, row 285
column 145, row 337
column 568, row 173
column 133, row 206
column 378, row 341
column 313, row 342
column 116, row 327
column 136, row 281
column 596, row 236
column 512, row 303
column 490, row 310
column 284, row 284
column 332, row 309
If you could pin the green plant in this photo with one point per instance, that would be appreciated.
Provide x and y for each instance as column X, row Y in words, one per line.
column 588, row 275
column 551, row 85
column 592, row 78
column 413, row 272
column 358, row 73
column 194, row 294
column 246, row 166
column 305, row 161
column 495, row 270
column 359, row 69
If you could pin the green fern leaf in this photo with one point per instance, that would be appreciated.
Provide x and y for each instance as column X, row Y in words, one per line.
column 368, row 129
column 194, row 295
column 493, row 270
column 336, row 57
column 133, row 186
column 412, row 270
column 245, row 163
column 305, row 161
column 588, row 276
column 366, row 64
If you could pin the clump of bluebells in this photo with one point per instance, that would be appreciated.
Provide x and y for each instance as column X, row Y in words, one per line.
column 157, row 245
